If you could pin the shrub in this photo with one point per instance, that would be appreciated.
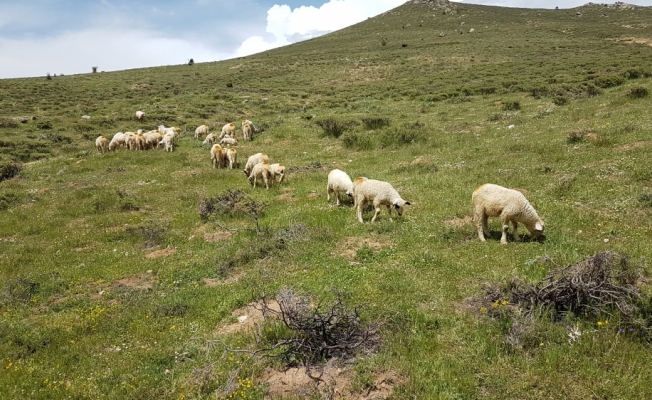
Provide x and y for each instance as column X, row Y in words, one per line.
column 10, row 170
column 191, row 62
column 511, row 106
column 607, row 81
column 637, row 92
column 44, row 125
column 8, row 199
column 560, row 100
column 592, row 90
column 403, row 135
column 575, row 136
column 358, row 140
column 8, row 123
column 94, row 69
column 375, row 123
column 333, row 127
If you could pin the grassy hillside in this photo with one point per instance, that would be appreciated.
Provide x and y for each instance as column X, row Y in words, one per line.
column 112, row 285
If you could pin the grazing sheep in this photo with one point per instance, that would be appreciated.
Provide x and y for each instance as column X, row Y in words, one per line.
column 102, row 144
column 338, row 182
column 232, row 157
column 201, row 130
column 261, row 171
column 247, row 132
column 218, row 156
column 211, row 138
column 251, row 125
column 378, row 193
column 278, row 170
column 510, row 205
column 168, row 142
column 229, row 140
column 119, row 139
column 173, row 130
column 253, row 160
column 228, row 129
column 140, row 115
column 152, row 138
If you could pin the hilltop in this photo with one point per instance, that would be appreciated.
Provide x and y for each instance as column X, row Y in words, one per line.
column 135, row 274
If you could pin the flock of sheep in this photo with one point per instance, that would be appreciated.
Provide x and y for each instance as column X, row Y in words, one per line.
column 488, row 200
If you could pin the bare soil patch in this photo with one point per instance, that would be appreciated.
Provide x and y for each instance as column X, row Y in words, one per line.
column 330, row 381
column 457, row 222
column 248, row 317
column 350, row 246
column 286, row 197
column 214, row 282
column 631, row 146
column 144, row 282
column 217, row 236
column 161, row 253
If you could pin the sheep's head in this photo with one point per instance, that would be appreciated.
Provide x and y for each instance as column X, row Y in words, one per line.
column 538, row 229
column 399, row 206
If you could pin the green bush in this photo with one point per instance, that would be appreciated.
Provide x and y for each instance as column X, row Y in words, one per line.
column 607, row 81
column 637, row 92
column 375, row 123
column 333, row 127
column 358, row 140
column 511, row 105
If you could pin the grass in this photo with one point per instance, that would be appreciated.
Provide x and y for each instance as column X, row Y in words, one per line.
column 86, row 313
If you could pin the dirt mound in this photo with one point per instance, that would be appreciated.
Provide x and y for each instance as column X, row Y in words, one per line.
column 161, row 253
column 350, row 246
column 330, row 381
column 248, row 317
column 144, row 282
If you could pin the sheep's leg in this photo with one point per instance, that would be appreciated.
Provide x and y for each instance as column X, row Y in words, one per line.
column 480, row 221
column 266, row 180
column 328, row 193
column 377, row 208
column 389, row 212
column 503, row 238
column 516, row 237
column 360, row 205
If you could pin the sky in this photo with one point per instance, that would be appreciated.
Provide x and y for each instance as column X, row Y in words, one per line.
column 38, row 37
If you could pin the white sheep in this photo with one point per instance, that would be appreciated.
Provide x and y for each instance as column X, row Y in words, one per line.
column 173, row 130
column 338, row 182
column 251, row 125
column 378, row 193
column 201, row 130
column 131, row 141
column 167, row 142
column 218, row 156
column 247, row 133
column 140, row 115
column 262, row 171
column 119, row 139
column 510, row 205
column 102, row 144
column 232, row 157
column 152, row 138
column 211, row 138
column 278, row 170
column 228, row 129
column 229, row 140
column 253, row 160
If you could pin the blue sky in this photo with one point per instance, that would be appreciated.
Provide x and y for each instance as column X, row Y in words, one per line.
column 71, row 36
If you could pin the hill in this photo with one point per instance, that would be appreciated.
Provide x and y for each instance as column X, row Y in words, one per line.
column 123, row 274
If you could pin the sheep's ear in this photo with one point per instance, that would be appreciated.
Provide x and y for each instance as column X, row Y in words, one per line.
column 538, row 226
column 407, row 203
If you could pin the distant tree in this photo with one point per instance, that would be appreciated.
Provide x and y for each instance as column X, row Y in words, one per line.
column 191, row 62
column 94, row 69
column 48, row 77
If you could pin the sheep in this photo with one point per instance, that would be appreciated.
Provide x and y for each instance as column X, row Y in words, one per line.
column 211, row 138
column 378, row 193
column 152, row 138
column 201, row 130
column 140, row 115
column 253, row 160
column 232, row 157
column 251, row 125
column 140, row 141
column 261, row 171
column 228, row 129
column 167, row 142
column 119, row 139
column 510, row 205
column 229, row 140
column 173, row 130
column 338, row 182
column 246, row 132
column 218, row 156
column 278, row 170
column 102, row 144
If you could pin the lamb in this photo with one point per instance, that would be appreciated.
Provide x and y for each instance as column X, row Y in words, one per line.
column 201, row 130
column 261, row 171
column 253, row 160
column 168, row 142
column 251, row 125
column 152, row 138
column 232, row 157
column 278, row 170
column 229, row 140
column 378, row 193
column 228, row 129
column 246, row 132
column 140, row 115
column 218, row 156
column 102, row 144
column 119, row 139
column 510, row 205
column 211, row 138
column 338, row 182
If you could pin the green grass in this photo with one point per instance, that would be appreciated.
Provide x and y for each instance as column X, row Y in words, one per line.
column 75, row 224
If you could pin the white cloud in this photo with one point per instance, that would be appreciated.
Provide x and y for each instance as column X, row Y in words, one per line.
column 288, row 25
column 109, row 50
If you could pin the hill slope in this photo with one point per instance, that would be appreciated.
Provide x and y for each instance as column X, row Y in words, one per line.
column 114, row 286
